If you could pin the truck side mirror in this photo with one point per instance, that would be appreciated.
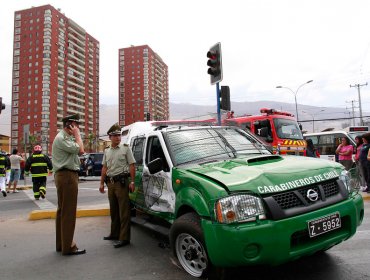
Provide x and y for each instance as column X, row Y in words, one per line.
column 264, row 132
column 155, row 165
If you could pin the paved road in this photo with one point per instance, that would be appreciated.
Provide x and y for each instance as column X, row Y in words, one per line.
column 27, row 250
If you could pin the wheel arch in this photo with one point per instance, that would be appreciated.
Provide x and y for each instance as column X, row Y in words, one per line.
column 190, row 200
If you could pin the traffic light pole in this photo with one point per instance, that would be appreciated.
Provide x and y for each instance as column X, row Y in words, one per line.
column 218, row 104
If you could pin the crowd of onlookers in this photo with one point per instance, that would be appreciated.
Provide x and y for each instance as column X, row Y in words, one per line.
column 344, row 155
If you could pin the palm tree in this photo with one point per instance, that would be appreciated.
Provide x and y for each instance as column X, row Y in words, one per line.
column 90, row 141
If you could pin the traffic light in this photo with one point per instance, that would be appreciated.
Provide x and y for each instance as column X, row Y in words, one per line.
column 2, row 106
column 147, row 116
column 225, row 98
column 215, row 63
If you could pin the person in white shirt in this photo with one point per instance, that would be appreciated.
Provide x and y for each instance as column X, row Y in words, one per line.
column 15, row 170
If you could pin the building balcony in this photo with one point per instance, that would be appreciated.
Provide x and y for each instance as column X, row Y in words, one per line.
column 76, row 60
column 77, row 44
column 80, row 81
column 70, row 82
column 70, row 62
column 80, row 39
column 80, row 94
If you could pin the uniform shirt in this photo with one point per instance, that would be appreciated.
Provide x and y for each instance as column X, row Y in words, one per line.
column 65, row 152
column 118, row 159
column 15, row 161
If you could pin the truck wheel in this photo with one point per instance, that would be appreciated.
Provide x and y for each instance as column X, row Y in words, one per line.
column 187, row 243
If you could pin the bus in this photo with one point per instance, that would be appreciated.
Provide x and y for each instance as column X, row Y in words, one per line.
column 277, row 129
column 327, row 142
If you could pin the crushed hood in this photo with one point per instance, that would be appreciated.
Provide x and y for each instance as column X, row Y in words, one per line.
column 268, row 174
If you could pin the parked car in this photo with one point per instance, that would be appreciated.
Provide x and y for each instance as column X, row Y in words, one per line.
column 91, row 164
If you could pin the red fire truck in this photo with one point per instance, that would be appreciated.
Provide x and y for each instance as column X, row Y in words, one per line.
column 279, row 130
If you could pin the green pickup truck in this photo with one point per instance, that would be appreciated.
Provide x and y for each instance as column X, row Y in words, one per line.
column 230, row 202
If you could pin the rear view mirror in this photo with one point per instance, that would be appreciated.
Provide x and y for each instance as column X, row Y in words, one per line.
column 155, row 166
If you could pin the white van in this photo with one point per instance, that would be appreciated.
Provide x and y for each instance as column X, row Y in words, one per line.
column 327, row 142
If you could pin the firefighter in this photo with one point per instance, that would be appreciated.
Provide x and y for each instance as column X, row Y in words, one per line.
column 38, row 164
column 4, row 166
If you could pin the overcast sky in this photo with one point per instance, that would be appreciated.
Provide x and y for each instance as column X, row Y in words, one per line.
column 264, row 44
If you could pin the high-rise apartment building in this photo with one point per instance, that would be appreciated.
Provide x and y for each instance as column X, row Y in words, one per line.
column 143, row 85
column 55, row 73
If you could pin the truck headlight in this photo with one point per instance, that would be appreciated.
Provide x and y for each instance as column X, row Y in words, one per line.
column 239, row 208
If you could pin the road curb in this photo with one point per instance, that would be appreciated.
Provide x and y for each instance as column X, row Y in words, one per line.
column 51, row 214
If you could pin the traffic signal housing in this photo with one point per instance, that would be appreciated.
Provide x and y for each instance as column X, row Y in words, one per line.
column 225, row 98
column 147, row 116
column 2, row 106
column 215, row 63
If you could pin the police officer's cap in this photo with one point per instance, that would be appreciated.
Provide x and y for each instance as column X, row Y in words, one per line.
column 114, row 130
column 72, row 118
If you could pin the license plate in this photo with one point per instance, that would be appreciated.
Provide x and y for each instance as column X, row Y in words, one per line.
column 324, row 224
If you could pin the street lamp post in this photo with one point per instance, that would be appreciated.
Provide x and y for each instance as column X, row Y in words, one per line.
column 295, row 95
column 313, row 117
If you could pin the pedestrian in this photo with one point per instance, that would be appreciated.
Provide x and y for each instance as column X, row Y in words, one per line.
column 67, row 146
column 359, row 144
column 310, row 150
column 364, row 162
column 40, row 165
column 344, row 152
column 4, row 166
column 118, row 166
column 15, row 170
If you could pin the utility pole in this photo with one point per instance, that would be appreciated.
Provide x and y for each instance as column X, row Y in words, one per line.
column 359, row 99
column 353, row 111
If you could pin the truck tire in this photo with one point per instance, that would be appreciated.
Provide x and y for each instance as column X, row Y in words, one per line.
column 187, row 243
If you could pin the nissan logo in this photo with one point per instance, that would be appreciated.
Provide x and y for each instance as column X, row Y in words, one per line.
column 312, row 195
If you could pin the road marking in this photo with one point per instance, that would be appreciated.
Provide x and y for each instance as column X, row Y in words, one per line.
column 43, row 204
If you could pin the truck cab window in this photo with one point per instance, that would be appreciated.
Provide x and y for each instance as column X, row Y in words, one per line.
column 154, row 151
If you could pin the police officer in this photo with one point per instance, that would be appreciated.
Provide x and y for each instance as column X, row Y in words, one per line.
column 67, row 145
column 4, row 166
column 118, row 173
column 38, row 164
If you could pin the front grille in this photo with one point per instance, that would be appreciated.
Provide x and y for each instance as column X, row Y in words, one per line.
column 297, row 201
column 303, row 192
column 331, row 189
column 287, row 200
column 292, row 199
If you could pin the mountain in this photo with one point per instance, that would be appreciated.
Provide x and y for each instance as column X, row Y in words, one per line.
column 179, row 111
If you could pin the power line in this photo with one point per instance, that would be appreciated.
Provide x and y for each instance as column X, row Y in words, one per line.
column 359, row 99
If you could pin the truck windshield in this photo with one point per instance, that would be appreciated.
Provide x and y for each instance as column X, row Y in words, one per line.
column 287, row 129
column 207, row 144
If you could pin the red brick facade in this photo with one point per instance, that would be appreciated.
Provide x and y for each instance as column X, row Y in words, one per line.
column 55, row 73
column 143, row 85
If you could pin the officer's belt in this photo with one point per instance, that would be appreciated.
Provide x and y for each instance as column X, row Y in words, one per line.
column 117, row 178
